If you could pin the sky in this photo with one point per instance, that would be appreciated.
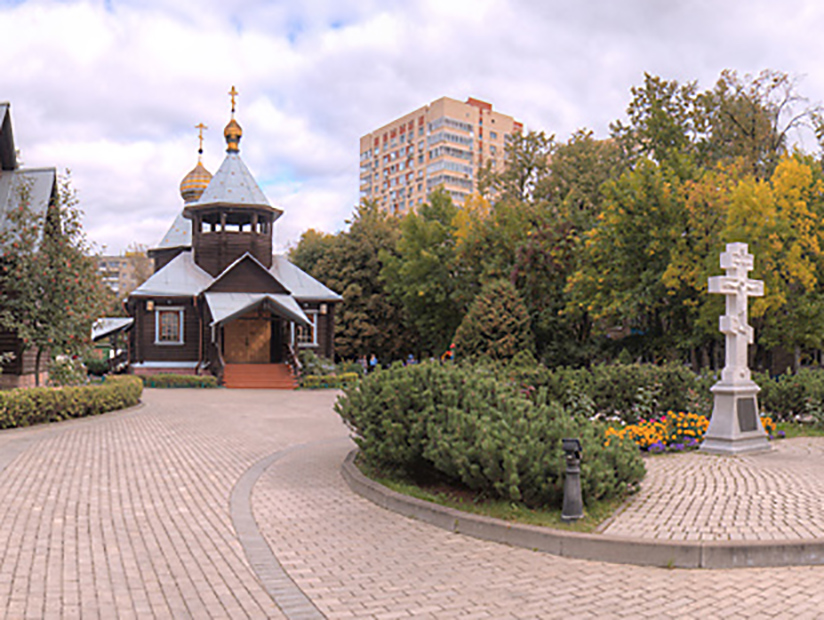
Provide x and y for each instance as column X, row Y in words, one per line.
column 112, row 90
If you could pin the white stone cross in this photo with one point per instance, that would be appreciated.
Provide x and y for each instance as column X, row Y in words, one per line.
column 737, row 287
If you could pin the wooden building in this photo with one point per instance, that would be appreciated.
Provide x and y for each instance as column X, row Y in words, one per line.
column 219, row 301
column 39, row 187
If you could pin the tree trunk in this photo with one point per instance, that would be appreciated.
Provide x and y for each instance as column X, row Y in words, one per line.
column 796, row 359
column 37, row 367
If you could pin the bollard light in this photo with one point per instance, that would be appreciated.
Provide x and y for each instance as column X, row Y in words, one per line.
column 573, row 508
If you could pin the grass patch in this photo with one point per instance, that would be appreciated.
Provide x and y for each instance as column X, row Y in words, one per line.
column 460, row 498
column 794, row 429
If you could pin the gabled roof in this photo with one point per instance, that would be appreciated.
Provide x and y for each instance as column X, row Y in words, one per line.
column 183, row 278
column 109, row 325
column 37, row 184
column 227, row 306
column 180, row 278
column 303, row 286
column 248, row 258
column 233, row 184
column 178, row 236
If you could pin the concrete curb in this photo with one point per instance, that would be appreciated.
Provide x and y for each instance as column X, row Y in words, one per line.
column 603, row 548
column 292, row 601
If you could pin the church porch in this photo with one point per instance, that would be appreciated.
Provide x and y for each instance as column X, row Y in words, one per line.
column 252, row 339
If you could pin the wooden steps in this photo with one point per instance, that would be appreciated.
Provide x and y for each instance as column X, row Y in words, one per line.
column 259, row 376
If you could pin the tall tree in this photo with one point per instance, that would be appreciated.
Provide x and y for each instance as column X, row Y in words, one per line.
column 751, row 117
column 526, row 159
column 780, row 219
column 694, row 257
column 544, row 262
column 50, row 289
column 577, row 172
column 368, row 321
column 422, row 276
column 742, row 117
column 619, row 279
column 312, row 246
column 663, row 124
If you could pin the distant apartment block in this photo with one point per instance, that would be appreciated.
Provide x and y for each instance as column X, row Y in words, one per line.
column 123, row 274
column 443, row 144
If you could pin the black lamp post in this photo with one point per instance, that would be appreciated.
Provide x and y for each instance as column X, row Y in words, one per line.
column 573, row 508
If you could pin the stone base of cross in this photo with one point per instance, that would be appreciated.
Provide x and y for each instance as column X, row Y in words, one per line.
column 735, row 426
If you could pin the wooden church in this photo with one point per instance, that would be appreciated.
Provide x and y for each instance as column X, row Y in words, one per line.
column 219, row 301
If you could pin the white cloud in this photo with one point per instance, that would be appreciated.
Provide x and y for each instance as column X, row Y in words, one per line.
column 113, row 89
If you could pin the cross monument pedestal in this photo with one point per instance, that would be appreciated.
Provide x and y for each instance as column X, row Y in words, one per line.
column 735, row 426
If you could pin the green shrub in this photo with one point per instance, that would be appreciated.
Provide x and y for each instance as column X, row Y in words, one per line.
column 627, row 391
column 312, row 364
column 788, row 397
column 172, row 380
column 25, row 407
column 65, row 371
column 95, row 366
column 350, row 367
column 483, row 432
column 329, row 381
column 388, row 410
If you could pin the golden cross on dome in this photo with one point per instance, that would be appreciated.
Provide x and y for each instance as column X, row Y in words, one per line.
column 233, row 94
column 200, row 127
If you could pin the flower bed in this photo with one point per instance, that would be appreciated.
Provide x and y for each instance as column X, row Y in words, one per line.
column 672, row 432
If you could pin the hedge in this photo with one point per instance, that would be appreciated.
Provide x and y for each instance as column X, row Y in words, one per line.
column 471, row 428
column 790, row 397
column 635, row 392
column 172, row 380
column 631, row 392
column 28, row 406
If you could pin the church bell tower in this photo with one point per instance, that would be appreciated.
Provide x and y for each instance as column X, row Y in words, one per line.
column 232, row 216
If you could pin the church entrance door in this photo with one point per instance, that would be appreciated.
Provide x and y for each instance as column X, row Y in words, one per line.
column 276, row 342
column 247, row 341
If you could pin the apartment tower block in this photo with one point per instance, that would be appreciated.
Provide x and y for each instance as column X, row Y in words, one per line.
column 443, row 144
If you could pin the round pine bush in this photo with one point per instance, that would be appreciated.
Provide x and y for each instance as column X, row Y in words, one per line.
column 483, row 433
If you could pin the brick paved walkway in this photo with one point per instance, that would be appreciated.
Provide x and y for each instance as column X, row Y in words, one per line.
column 127, row 515
column 355, row 560
column 130, row 515
column 777, row 495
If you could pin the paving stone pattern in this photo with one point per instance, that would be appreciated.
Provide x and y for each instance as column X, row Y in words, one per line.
column 356, row 560
column 128, row 515
column 776, row 495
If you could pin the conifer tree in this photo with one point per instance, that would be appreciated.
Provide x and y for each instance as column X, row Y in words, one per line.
column 497, row 325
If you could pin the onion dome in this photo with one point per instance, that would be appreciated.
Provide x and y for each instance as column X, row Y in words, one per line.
column 195, row 183
column 232, row 133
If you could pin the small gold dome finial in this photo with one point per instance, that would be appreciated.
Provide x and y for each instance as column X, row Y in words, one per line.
column 233, row 132
column 195, row 183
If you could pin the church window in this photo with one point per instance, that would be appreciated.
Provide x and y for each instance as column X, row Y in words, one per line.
column 307, row 336
column 169, row 326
